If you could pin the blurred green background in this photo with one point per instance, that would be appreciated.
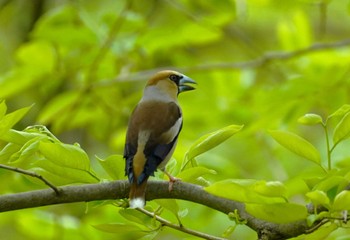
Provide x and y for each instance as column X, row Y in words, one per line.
column 84, row 65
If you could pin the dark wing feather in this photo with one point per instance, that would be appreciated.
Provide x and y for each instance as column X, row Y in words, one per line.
column 129, row 152
column 155, row 157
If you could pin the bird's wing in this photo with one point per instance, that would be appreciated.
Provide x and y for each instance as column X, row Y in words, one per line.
column 163, row 123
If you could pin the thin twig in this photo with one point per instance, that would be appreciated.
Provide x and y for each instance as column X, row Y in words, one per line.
column 165, row 222
column 32, row 174
column 255, row 63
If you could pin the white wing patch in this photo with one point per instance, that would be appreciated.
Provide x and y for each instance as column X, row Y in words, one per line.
column 173, row 131
column 143, row 137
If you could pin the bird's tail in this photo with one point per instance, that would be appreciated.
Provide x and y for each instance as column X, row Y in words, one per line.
column 137, row 195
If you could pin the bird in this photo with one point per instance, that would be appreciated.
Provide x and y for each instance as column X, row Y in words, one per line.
column 153, row 131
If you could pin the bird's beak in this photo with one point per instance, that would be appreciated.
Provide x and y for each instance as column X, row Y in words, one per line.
column 182, row 84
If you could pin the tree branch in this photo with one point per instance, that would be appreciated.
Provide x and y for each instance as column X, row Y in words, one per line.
column 155, row 190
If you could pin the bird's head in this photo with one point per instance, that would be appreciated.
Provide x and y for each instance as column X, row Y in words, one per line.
column 170, row 82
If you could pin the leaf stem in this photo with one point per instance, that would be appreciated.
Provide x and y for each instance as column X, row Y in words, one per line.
column 32, row 174
column 165, row 222
column 329, row 150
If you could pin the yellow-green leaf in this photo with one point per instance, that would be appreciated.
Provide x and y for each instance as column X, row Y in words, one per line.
column 270, row 189
column 241, row 190
column 191, row 174
column 114, row 165
column 341, row 111
column 318, row 197
column 211, row 140
column 65, row 155
column 9, row 120
column 297, row 144
column 342, row 201
column 342, row 130
column 278, row 212
column 310, row 119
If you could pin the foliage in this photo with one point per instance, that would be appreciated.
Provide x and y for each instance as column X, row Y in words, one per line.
column 267, row 65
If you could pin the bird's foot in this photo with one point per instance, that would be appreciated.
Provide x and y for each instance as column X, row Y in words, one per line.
column 172, row 180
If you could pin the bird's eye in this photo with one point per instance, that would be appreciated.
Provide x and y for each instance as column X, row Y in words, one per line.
column 174, row 78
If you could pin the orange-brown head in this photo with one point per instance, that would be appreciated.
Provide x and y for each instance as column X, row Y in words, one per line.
column 169, row 83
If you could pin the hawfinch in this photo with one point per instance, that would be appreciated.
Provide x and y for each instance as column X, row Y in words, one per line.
column 153, row 130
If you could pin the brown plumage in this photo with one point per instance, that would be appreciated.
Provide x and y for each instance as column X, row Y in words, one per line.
column 153, row 130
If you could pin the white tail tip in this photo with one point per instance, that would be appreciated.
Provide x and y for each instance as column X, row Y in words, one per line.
column 137, row 203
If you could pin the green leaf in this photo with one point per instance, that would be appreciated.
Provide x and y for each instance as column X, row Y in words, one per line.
column 133, row 231
column 192, row 174
column 297, row 144
column 241, row 190
column 3, row 108
column 62, row 175
column 342, row 130
column 331, row 182
column 310, row 119
column 318, row 197
column 114, row 166
column 65, row 155
column 278, row 212
column 18, row 137
column 9, row 120
column 137, row 217
column 270, row 189
column 341, row 111
column 211, row 140
column 8, row 151
column 321, row 233
column 342, row 201
column 27, row 150
column 67, row 160
column 170, row 205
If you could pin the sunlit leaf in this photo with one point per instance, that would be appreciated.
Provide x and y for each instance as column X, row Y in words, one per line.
column 342, row 201
column 9, row 120
column 137, row 217
column 321, row 233
column 191, row 174
column 241, row 190
column 27, row 150
column 278, row 212
column 65, row 155
column 120, row 228
column 211, row 140
column 8, row 151
column 170, row 205
column 297, row 144
column 270, row 189
column 310, row 119
column 318, row 197
column 342, row 130
column 341, row 111
column 114, row 166
column 331, row 182
column 3, row 108
column 62, row 175
column 18, row 137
